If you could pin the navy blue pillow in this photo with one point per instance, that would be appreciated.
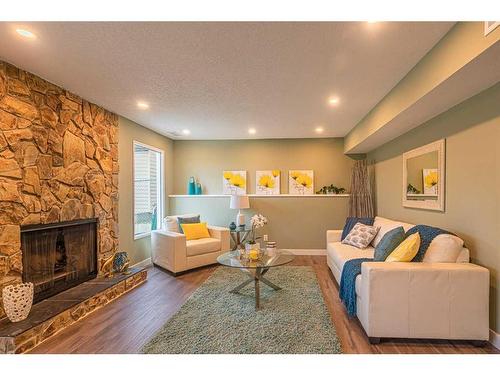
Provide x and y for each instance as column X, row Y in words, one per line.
column 350, row 222
column 187, row 220
column 388, row 243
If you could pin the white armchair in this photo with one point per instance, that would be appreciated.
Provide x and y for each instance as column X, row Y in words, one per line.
column 171, row 250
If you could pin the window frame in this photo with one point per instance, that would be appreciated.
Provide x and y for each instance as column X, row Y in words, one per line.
column 161, row 189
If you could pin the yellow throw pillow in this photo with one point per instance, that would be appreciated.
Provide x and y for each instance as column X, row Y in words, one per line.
column 195, row 231
column 406, row 250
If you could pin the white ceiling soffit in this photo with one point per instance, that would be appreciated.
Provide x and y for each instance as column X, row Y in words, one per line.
column 219, row 79
column 476, row 76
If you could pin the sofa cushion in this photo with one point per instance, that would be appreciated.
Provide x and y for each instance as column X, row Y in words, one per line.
column 444, row 248
column 389, row 242
column 406, row 250
column 350, row 222
column 464, row 256
column 340, row 253
column 358, row 285
column 385, row 226
column 361, row 235
column 202, row 246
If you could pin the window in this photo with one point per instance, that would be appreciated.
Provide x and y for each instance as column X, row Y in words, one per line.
column 148, row 189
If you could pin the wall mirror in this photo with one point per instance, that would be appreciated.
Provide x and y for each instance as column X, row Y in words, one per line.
column 424, row 177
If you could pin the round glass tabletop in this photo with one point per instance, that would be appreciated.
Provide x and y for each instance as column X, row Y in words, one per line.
column 268, row 258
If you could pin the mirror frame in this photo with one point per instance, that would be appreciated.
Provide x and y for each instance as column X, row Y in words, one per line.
column 436, row 205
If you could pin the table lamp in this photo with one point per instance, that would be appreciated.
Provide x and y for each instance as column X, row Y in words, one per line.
column 239, row 202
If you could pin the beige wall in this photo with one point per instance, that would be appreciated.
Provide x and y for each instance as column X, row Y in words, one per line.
column 298, row 223
column 472, row 132
column 140, row 249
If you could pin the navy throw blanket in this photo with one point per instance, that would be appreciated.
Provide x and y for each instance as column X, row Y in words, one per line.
column 347, row 292
column 427, row 234
column 352, row 268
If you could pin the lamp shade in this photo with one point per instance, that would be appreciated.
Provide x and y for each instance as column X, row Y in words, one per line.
column 239, row 202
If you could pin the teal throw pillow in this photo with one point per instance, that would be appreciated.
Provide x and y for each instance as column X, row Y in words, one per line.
column 388, row 243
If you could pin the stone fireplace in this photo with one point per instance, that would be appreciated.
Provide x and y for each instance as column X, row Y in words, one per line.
column 58, row 163
column 59, row 256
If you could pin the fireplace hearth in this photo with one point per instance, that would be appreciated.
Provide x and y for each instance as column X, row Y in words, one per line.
column 59, row 256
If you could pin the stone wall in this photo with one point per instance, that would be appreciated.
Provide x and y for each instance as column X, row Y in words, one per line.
column 58, row 162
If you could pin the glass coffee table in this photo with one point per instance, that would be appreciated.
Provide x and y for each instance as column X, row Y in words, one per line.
column 256, row 269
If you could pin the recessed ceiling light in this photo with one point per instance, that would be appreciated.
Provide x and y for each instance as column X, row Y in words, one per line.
column 143, row 105
column 186, row 131
column 252, row 131
column 26, row 33
column 319, row 130
column 333, row 100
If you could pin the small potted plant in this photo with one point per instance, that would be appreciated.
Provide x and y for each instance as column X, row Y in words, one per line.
column 252, row 246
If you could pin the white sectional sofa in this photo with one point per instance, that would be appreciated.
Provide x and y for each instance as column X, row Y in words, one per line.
column 417, row 300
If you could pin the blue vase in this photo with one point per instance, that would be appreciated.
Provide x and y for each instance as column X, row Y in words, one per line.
column 120, row 262
column 191, row 190
column 198, row 189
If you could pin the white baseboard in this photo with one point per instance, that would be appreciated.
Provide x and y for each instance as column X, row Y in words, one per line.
column 143, row 263
column 307, row 251
column 495, row 339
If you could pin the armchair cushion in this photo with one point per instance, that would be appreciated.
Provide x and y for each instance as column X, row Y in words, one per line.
column 187, row 220
column 170, row 223
column 202, row 246
column 195, row 231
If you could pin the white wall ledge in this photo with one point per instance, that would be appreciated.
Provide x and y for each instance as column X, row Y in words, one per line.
column 262, row 196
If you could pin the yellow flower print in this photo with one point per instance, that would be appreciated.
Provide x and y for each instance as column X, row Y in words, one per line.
column 228, row 175
column 304, row 180
column 295, row 175
column 276, row 172
column 431, row 179
column 266, row 181
column 237, row 180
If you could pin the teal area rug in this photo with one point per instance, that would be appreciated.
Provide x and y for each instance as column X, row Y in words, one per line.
column 291, row 320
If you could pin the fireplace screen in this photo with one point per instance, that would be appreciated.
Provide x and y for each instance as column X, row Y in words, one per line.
column 59, row 256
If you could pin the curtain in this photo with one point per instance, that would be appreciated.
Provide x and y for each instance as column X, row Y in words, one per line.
column 361, row 199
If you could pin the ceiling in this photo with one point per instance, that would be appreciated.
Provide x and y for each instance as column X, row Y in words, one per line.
column 219, row 79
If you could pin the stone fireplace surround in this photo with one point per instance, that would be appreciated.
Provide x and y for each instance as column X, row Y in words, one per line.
column 58, row 162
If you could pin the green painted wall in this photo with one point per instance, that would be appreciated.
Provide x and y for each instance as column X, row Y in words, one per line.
column 463, row 43
column 472, row 132
column 298, row 223
column 129, row 132
column 295, row 223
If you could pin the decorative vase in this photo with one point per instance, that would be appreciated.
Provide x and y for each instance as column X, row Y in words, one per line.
column 17, row 301
column 121, row 262
column 191, row 190
column 252, row 251
column 198, row 189
column 232, row 226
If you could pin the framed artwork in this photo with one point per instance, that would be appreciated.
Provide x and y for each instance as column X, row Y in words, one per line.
column 301, row 182
column 234, row 182
column 430, row 177
column 267, row 182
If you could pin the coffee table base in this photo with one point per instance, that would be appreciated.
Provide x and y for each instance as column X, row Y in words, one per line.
column 257, row 276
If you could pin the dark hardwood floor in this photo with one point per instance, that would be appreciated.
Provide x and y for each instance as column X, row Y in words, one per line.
column 125, row 325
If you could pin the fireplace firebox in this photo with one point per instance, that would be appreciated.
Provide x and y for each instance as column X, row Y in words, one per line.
column 59, row 256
